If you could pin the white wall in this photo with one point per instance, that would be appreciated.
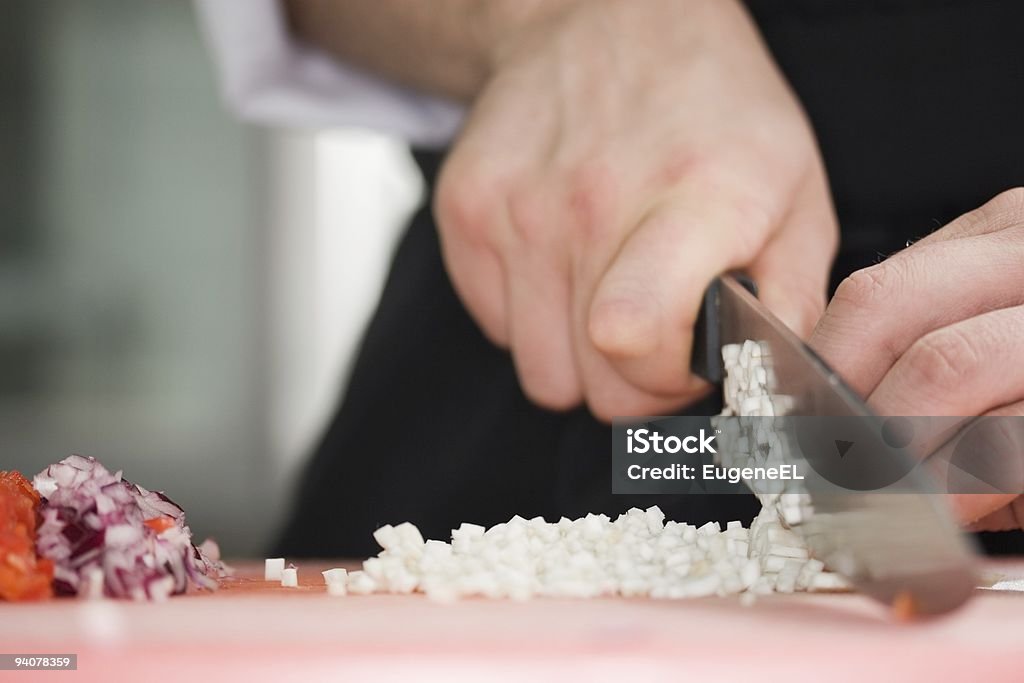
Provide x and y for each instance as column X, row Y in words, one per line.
column 342, row 197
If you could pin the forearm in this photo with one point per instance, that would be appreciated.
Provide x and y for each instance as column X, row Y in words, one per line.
column 440, row 46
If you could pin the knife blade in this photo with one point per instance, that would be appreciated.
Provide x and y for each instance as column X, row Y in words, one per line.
column 896, row 547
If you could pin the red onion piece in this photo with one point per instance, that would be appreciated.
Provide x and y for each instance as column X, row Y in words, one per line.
column 91, row 518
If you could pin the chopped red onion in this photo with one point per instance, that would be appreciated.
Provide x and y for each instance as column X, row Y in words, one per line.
column 92, row 519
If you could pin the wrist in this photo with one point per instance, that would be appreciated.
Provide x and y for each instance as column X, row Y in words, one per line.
column 504, row 23
column 509, row 27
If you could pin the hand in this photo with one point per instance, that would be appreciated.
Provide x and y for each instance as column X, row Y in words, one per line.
column 619, row 156
column 936, row 330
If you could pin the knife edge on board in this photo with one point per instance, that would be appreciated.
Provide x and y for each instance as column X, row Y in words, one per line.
column 902, row 549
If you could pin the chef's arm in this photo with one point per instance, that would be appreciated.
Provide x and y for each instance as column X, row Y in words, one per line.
column 441, row 46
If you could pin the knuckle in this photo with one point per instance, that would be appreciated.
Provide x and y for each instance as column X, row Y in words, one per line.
column 942, row 360
column 871, row 287
column 591, row 197
column 1004, row 211
column 467, row 198
column 753, row 217
column 756, row 210
column 681, row 164
column 1009, row 205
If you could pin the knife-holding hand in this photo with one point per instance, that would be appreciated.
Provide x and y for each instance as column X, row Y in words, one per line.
column 617, row 157
column 936, row 330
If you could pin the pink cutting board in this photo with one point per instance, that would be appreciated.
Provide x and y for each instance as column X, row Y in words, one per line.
column 251, row 630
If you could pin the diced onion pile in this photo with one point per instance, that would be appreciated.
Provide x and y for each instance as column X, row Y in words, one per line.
column 747, row 395
column 108, row 536
column 637, row 554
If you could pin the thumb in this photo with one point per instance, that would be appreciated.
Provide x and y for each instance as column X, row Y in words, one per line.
column 642, row 313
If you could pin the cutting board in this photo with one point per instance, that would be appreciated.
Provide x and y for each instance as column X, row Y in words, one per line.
column 253, row 630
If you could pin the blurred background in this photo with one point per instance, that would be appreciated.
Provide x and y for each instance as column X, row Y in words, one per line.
column 180, row 293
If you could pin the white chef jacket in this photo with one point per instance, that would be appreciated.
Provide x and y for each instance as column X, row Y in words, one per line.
column 268, row 77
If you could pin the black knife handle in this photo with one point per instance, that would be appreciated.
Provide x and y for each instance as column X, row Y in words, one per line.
column 706, row 359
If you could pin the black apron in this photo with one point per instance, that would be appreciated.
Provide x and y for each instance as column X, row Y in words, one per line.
column 919, row 108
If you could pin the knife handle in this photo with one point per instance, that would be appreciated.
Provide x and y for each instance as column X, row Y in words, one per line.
column 706, row 359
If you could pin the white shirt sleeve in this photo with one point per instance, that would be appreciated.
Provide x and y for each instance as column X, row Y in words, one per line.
column 267, row 77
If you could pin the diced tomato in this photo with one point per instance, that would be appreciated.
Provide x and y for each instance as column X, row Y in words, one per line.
column 22, row 575
column 160, row 524
column 903, row 607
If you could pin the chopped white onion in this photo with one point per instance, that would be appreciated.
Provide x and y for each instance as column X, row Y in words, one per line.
column 335, row 576
column 272, row 568
column 290, row 577
column 361, row 583
column 637, row 554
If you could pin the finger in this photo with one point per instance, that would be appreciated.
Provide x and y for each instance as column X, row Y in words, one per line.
column 647, row 301
column 478, row 278
column 879, row 312
column 1007, row 515
column 540, row 331
column 608, row 395
column 607, row 392
column 986, row 489
column 967, row 368
column 471, row 208
column 1004, row 211
column 792, row 271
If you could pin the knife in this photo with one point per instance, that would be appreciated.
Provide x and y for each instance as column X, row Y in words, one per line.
column 901, row 548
